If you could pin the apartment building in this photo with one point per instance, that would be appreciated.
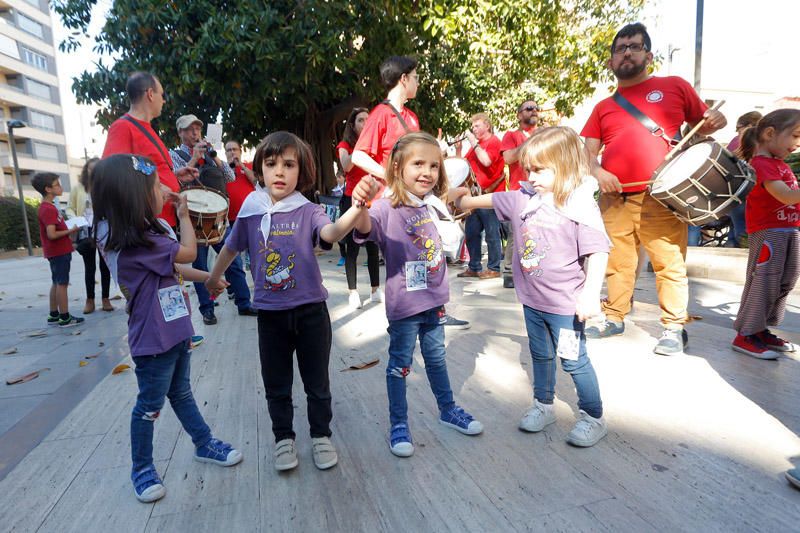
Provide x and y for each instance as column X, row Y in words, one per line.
column 29, row 92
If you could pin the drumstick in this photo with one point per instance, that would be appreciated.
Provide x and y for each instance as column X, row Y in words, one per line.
column 195, row 202
column 691, row 133
column 637, row 183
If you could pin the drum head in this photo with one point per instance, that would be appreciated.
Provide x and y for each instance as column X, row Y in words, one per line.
column 457, row 170
column 682, row 166
column 205, row 201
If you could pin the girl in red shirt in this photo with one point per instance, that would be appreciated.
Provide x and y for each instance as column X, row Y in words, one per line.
column 772, row 216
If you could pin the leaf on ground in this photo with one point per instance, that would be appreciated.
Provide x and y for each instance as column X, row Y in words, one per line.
column 116, row 297
column 120, row 368
column 101, row 343
column 93, row 356
column 37, row 333
column 361, row 366
column 83, row 363
column 27, row 377
column 10, row 351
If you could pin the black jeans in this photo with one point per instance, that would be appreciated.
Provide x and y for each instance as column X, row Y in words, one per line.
column 307, row 330
column 352, row 254
column 90, row 267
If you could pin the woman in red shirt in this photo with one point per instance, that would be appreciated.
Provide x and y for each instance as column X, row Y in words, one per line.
column 353, row 174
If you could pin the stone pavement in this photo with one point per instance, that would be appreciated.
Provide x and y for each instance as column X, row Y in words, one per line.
column 696, row 442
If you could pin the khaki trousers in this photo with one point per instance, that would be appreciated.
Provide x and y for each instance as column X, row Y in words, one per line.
column 636, row 219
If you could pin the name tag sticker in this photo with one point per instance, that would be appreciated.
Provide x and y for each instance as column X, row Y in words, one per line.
column 569, row 344
column 172, row 302
column 416, row 276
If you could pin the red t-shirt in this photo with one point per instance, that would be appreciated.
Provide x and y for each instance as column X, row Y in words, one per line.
column 382, row 130
column 488, row 175
column 631, row 152
column 49, row 215
column 764, row 211
column 125, row 138
column 511, row 140
column 352, row 176
column 238, row 190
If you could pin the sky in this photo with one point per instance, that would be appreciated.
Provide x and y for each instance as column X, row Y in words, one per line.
column 750, row 53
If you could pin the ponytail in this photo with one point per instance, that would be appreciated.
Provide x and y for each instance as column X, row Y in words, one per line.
column 780, row 120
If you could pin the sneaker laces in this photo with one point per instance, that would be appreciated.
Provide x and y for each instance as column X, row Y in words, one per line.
column 671, row 334
column 770, row 338
column 585, row 425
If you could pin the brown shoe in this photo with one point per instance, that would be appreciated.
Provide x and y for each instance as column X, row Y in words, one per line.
column 107, row 305
column 489, row 274
column 469, row 274
column 89, row 307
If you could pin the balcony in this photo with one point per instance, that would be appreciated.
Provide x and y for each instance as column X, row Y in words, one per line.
column 31, row 132
column 15, row 66
column 14, row 96
column 28, row 161
column 31, row 41
column 42, row 17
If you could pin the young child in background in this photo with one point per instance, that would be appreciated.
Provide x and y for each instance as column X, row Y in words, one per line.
column 149, row 265
column 560, row 254
column 280, row 228
column 57, row 248
column 404, row 227
column 772, row 216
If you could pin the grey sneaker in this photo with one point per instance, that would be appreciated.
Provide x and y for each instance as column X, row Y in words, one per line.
column 672, row 342
column 325, row 455
column 537, row 417
column 607, row 328
column 285, row 455
column 587, row 431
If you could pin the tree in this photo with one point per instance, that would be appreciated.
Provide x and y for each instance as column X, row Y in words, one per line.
column 302, row 65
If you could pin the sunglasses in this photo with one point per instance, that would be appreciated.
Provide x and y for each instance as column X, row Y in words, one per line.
column 531, row 108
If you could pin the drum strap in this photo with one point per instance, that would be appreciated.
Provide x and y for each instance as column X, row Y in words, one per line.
column 644, row 120
column 147, row 134
column 398, row 115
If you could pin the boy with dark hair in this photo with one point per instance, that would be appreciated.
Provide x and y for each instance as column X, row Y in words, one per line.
column 56, row 246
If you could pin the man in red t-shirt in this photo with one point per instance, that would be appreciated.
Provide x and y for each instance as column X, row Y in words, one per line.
column 487, row 164
column 528, row 117
column 245, row 181
column 133, row 134
column 631, row 155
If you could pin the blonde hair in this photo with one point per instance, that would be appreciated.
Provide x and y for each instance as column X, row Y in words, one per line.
column 559, row 149
column 398, row 158
column 485, row 118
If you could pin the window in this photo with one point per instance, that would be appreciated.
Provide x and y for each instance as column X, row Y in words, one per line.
column 34, row 3
column 8, row 46
column 30, row 25
column 45, row 151
column 39, row 90
column 43, row 121
column 32, row 58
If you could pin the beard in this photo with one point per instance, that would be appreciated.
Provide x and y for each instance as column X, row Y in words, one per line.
column 629, row 70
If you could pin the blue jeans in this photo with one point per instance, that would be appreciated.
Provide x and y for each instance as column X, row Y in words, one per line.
column 693, row 238
column 234, row 275
column 543, row 335
column 403, row 335
column 165, row 375
column 483, row 220
column 738, row 228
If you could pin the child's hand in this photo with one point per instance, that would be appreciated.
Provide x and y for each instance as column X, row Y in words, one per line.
column 587, row 306
column 365, row 191
column 74, row 229
column 182, row 205
column 453, row 195
column 216, row 286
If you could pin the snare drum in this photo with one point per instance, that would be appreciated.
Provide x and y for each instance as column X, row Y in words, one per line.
column 459, row 174
column 208, row 210
column 703, row 183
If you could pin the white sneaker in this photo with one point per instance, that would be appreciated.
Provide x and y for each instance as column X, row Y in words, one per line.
column 587, row 431
column 377, row 296
column 537, row 417
column 355, row 300
column 325, row 455
column 285, row 455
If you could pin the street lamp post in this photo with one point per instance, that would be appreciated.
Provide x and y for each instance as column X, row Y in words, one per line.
column 11, row 124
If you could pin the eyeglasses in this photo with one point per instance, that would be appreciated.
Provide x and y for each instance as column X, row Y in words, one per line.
column 635, row 48
column 531, row 108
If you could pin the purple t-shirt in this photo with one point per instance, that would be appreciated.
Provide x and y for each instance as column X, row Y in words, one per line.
column 548, row 253
column 285, row 270
column 416, row 270
column 158, row 309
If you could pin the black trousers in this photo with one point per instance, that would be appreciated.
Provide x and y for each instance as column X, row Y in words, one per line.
column 306, row 329
column 351, row 258
column 90, row 267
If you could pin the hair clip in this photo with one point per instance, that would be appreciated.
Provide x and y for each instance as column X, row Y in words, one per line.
column 142, row 166
column 396, row 146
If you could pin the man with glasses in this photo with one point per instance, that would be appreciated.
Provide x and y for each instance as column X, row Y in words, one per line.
column 631, row 155
column 528, row 117
column 133, row 134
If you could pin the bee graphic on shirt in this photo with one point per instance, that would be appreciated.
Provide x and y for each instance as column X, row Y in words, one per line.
column 430, row 249
column 278, row 273
column 529, row 258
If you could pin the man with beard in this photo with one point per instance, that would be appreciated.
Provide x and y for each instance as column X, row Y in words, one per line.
column 527, row 116
column 631, row 155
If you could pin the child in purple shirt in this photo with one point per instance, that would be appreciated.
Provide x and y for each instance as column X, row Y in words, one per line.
column 404, row 226
column 146, row 260
column 560, row 253
column 280, row 228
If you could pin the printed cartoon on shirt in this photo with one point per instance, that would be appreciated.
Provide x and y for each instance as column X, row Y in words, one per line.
column 429, row 244
column 279, row 263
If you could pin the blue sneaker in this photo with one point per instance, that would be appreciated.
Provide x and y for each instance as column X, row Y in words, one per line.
column 147, row 485
column 793, row 476
column 218, row 452
column 460, row 420
column 608, row 328
column 400, row 440
column 341, row 262
column 196, row 341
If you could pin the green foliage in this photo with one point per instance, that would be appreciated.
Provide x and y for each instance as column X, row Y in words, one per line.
column 301, row 66
column 12, row 229
column 794, row 162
